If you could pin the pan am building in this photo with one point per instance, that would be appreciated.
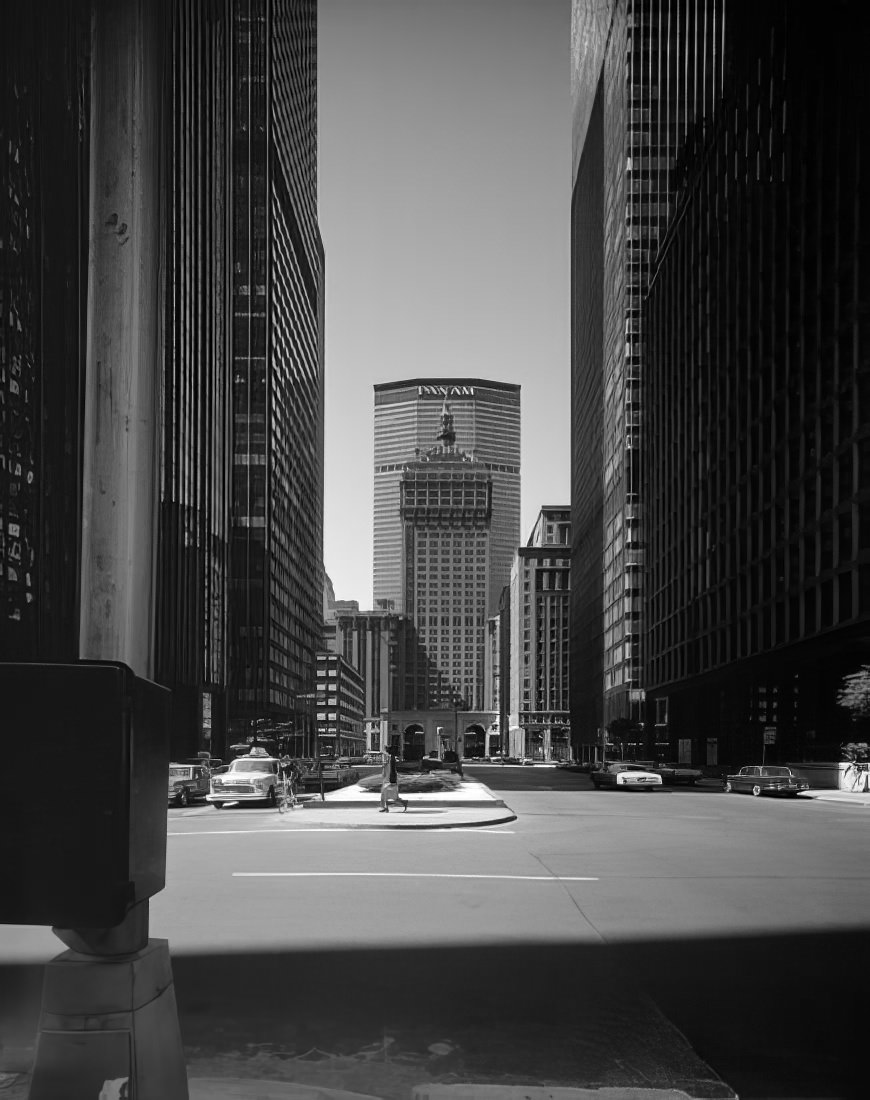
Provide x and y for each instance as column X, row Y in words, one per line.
column 486, row 419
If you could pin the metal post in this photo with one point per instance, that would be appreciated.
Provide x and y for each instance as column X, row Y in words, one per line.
column 107, row 1028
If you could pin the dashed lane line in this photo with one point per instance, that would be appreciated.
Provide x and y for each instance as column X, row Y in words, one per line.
column 408, row 874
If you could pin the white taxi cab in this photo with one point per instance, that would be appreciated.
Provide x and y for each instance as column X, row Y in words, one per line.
column 251, row 778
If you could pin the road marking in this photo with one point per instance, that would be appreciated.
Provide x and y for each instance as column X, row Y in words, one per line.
column 407, row 874
column 254, row 831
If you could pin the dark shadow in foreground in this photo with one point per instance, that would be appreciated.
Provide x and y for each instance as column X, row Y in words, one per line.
column 774, row 1016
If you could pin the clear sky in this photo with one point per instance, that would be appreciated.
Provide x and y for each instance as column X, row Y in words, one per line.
column 444, row 203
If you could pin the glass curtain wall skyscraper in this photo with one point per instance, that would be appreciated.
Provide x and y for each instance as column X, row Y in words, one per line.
column 240, row 554
column 486, row 418
column 194, row 534
column 276, row 579
column 758, row 392
column 643, row 73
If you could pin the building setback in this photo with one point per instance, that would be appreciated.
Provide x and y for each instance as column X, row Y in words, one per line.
column 487, row 424
column 540, row 599
column 758, row 393
column 446, row 513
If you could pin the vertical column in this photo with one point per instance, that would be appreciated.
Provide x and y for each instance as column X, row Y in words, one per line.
column 123, row 336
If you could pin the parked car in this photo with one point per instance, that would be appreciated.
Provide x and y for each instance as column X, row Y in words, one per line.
column 187, row 782
column 625, row 777
column 448, row 762
column 251, row 778
column 677, row 773
column 760, row 779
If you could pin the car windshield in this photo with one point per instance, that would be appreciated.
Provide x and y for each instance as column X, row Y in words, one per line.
column 180, row 773
column 253, row 765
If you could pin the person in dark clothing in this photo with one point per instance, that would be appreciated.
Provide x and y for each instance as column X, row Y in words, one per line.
column 390, row 782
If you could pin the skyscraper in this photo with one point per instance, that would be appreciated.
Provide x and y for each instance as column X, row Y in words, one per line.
column 644, row 72
column 486, row 418
column 758, row 397
column 194, row 526
column 446, row 513
column 276, row 562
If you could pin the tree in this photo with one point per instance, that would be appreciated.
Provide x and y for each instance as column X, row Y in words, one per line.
column 854, row 693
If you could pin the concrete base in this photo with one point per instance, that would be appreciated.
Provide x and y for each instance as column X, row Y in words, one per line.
column 109, row 1028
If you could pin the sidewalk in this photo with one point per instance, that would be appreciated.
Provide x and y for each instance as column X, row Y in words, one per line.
column 213, row 1088
column 847, row 798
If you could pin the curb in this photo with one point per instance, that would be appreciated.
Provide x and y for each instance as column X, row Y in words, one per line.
column 211, row 1088
column 464, row 824
column 436, row 803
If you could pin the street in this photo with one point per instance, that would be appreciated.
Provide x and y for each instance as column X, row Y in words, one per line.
column 518, row 952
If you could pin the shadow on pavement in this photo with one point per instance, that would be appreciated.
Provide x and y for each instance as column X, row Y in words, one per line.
column 780, row 1016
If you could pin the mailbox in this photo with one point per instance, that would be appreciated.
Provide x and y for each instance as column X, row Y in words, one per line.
column 85, row 755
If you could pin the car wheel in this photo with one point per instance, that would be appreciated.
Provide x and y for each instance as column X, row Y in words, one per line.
column 218, row 805
column 184, row 798
column 271, row 800
column 728, row 788
column 756, row 790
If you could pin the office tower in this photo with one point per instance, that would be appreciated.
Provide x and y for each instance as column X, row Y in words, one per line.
column 44, row 192
column 758, row 397
column 540, row 604
column 276, row 562
column 445, row 506
column 486, row 419
column 644, row 72
column 195, row 483
column 340, row 707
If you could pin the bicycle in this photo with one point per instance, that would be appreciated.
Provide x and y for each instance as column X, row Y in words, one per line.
column 285, row 793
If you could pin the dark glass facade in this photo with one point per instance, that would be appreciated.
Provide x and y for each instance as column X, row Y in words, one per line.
column 645, row 75
column 276, row 582
column 587, row 418
column 193, row 545
column 758, row 398
column 44, row 150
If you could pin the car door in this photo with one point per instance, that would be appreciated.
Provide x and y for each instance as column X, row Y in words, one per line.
column 746, row 779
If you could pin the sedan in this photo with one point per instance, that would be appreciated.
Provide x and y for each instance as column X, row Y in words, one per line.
column 760, row 779
column 625, row 777
column 678, row 773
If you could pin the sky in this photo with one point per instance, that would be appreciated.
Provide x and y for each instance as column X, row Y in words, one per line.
column 444, row 190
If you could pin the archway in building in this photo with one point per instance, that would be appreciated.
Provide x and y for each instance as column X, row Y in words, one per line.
column 474, row 742
column 413, row 742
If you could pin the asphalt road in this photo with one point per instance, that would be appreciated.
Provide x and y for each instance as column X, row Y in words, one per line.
column 533, row 951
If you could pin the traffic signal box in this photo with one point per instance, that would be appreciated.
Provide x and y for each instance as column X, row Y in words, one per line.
column 83, row 813
column 83, row 847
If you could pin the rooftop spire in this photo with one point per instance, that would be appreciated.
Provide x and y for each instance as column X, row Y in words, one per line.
column 447, row 436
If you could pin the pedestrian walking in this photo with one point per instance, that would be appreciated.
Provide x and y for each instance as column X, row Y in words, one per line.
column 390, row 782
